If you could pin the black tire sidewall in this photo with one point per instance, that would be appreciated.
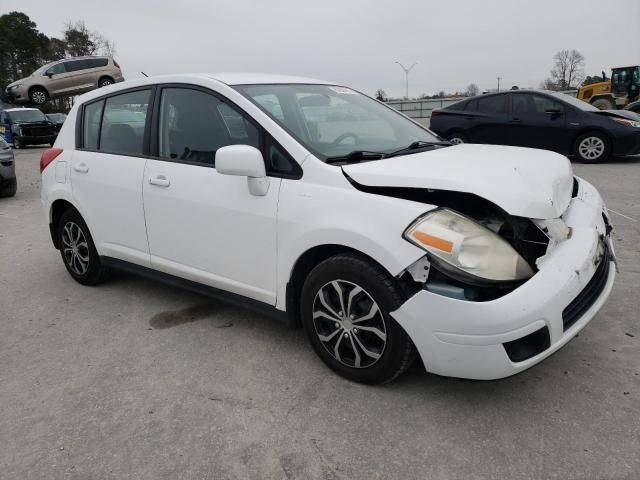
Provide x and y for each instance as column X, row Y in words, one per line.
column 605, row 153
column 95, row 272
column 461, row 136
column 369, row 277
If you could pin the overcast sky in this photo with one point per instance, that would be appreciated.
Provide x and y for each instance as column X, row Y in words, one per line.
column 356, row 42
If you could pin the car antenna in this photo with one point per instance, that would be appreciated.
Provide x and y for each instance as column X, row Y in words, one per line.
column 144, row 74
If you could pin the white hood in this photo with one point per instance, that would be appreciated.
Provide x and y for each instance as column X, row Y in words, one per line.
column 522, row 181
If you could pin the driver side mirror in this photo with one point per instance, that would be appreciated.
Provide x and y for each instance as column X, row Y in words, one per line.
column 48, row 74
column 244, row 161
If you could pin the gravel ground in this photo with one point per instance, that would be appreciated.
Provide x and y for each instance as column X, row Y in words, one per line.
column 91, row 386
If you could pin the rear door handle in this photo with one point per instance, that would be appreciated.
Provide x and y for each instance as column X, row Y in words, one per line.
column 81, row 168
column 159, row 181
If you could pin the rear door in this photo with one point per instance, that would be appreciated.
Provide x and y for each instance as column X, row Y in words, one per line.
column 80, row 77
column 202, row 225
column 538, row 121
column 485, row 119
column 107, row 172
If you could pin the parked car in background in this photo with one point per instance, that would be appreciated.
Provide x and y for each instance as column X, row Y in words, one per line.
column 26, row 126
column 57, row 119
column 71, row 76
column 540, row 119
column 634, row 107
column 326, row 208
column 8, row 182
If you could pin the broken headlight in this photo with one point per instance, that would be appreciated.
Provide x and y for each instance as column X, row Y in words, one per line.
column 464, row 245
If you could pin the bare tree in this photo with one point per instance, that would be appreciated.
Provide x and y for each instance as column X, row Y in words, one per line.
column 82, row 41
column 568, row 71
column 381, row 95
column 472, row 90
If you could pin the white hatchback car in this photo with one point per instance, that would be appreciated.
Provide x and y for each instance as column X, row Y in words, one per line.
column 322, row 206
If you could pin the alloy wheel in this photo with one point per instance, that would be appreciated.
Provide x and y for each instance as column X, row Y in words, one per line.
column 349, row 324
column 456, row 140
column 75, row 248
column 38, row 97
column 105, row 83
column 591, row 148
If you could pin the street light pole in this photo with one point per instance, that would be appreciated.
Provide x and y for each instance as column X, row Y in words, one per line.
column 406, row 77
column 498, row 83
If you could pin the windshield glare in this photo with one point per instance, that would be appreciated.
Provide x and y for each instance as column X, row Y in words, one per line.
column 333, row 121
column 19, row 116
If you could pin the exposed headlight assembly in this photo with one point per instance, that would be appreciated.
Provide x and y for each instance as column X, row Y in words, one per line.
column 16, row 129
column 464, row 245
column 625, row 121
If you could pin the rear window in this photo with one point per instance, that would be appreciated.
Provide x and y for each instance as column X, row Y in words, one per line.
column 97, row 62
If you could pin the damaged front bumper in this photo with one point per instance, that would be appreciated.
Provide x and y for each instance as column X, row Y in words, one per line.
column 501, row 337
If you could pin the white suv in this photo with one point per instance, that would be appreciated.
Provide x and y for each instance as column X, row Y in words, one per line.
column 322, row 206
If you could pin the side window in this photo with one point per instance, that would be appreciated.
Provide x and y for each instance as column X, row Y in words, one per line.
column 91, row 124
column 493, row 104
column 56, row 69
column 76, row 65
column 472, row 106
column 527, row 104
column 123, row 123
column 96, row 62
column 193, row 125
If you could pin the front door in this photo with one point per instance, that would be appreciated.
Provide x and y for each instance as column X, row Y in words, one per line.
column 202, row 225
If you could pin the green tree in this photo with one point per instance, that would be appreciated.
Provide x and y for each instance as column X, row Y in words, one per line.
column 20, row 47
column 78, row 39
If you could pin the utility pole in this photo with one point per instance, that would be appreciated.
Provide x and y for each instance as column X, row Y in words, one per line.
column 406, row 77
column 499, row 83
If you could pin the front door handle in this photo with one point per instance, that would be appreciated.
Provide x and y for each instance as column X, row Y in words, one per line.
column 81, row 168
column 516, row 120
column 159, row 181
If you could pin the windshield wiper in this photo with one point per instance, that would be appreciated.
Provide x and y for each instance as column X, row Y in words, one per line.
column 416, row 145
column 356, row 155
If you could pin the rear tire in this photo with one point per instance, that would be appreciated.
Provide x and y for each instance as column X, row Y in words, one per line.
column 356, row 338
column 105, row 82
column 78, row 251
column 38, row 96
column 457, row 138
column 10, row 189
column 592, row 147
column 603, row 104
column 18, row 144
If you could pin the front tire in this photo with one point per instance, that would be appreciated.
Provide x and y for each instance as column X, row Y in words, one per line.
column 18, row 143
column 592, row 147
column 78, row 251
column 345, row 306
column 38, row 96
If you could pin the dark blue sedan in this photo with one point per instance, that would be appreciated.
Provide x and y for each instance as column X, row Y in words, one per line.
column 541, row 119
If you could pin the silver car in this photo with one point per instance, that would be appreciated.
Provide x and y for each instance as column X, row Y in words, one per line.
column 71, row 76
column 8, row 182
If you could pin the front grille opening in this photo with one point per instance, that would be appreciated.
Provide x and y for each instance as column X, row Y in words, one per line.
column 578, row 307
column 529, row 346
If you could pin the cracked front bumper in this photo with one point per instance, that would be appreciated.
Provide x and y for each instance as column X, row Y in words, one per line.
column 460, row 338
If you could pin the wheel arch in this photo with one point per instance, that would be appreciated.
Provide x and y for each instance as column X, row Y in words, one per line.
column 303, row 266
column 589, row 129
column 42, row 87
column 102, row 77
column 57, row 209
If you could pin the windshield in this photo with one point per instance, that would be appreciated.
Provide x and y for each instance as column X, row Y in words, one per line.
column 24, row 116
column 56, row 117
column 334, row 121
column 587, row 107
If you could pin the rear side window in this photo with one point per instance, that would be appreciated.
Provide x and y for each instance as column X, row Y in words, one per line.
column 493, row 104
column 193, row 125
column 91, row 124
column 526, row 103
column 75, row 65
column 123, row 123
column 96, row 62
